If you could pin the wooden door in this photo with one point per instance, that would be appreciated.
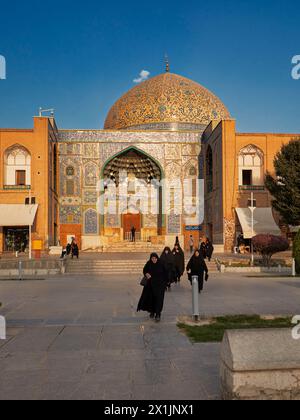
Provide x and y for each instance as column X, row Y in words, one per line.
column 129, row 221
column 20, row 178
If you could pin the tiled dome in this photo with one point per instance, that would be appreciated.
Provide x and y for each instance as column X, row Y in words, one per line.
column 167, row 101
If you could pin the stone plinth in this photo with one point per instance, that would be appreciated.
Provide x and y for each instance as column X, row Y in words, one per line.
column 260, row 365
column 55, row 250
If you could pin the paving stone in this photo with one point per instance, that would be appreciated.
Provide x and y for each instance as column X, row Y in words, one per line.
column 33, row 340
column 91, row 392
column 81, row 338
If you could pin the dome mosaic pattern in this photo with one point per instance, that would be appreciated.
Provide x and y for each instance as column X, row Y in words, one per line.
column 166, row 100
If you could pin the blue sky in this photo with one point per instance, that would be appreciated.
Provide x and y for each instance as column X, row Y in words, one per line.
column 79, row 57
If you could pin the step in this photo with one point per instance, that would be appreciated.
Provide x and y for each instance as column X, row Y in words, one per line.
column 116, row 263
column 80, row 267
column 114, row 270
column 100, row 264
column 106, row 269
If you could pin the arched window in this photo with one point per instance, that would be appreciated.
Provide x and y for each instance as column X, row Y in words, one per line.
column 17, row 167
column 251, row 166
column 209, row 169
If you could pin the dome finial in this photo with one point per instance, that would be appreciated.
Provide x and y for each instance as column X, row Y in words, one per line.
column 167, row 63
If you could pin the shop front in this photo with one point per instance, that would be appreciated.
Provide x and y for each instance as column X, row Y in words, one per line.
column 16, row 239
column 16, row 221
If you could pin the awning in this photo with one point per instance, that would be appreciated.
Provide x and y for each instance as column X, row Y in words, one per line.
column 263, row 222
column 17, row 214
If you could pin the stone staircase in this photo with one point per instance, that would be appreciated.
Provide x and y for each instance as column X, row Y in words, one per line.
column 212, row 267
column 104, row 267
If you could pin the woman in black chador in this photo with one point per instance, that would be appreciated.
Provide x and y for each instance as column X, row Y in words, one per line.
column 152, row 299
column 74, row 250
column 202, row 250
column 179, row 261
column 209, row 249
column 197, row 267
column 168, row 260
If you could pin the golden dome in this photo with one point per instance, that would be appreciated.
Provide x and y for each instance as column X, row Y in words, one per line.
column 167, row 101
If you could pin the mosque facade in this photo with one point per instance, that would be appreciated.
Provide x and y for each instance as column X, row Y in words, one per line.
column 165, row 133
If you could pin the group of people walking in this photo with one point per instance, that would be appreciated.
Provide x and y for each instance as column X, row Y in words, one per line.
column 173, row 262
column 161, row 273
column 206, row 248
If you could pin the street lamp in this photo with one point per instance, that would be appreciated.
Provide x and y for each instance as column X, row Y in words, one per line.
column 252, row 208
column 30, row 227
column 42, row 111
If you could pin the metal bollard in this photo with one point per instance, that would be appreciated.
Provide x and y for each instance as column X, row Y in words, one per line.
column 20, row 270
column 2, row 328
column 294, row 268
column 195, row 285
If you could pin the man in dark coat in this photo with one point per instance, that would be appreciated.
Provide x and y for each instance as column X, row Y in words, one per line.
column 197, row 267
column 202, row 249
column 152, row 299
column 209, row 249
column 179, row 261
column 133, row 232
column 168, row 260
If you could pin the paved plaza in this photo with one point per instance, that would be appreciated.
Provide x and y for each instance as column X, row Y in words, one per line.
column 81, row 338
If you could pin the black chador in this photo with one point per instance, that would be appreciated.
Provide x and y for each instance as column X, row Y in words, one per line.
column 152, row 299
column 179, row 261
column 197, row 267
column 168, row 260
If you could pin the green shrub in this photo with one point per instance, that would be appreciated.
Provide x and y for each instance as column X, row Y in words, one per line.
column 296, row 251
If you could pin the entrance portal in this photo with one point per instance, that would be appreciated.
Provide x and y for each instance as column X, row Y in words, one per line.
column 130, row 221
column 129, row 175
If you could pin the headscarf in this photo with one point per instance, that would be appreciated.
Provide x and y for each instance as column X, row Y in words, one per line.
column 154, row 269
column 154, row 255
column 197, row 263
column 167, row 258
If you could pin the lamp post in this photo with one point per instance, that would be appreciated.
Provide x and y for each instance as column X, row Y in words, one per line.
column 30, row 228
column 30, row 246
column 195, row 292
column 252, row 208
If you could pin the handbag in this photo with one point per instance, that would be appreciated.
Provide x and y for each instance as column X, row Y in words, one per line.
column 144, row 281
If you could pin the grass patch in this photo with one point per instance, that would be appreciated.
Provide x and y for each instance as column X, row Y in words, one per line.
column 214, row 332
column 273, row 276
column 257, row 263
